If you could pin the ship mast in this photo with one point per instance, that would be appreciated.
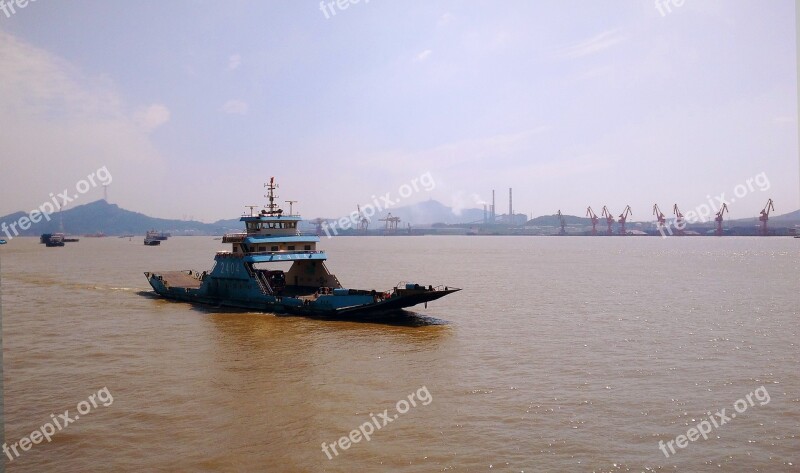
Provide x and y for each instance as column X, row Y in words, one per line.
column 272, row 208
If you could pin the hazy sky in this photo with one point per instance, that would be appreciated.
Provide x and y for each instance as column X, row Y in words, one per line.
column 191, row 106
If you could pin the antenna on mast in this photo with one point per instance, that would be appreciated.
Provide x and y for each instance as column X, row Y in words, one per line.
column 291, row 202
column 272, row 208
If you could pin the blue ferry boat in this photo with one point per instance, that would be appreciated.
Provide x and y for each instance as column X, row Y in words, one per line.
column 246, row 277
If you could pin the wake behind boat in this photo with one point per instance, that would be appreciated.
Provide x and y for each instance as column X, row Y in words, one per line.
column 246, row 278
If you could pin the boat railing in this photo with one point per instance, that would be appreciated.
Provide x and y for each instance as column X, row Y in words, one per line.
column 240, row 236
column 233, row 237
column 284, row 252
column 231, row 254
column 441, row 287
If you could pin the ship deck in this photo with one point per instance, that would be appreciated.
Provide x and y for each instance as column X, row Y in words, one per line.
column 180, row 279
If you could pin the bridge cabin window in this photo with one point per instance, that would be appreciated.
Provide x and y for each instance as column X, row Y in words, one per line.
column 274, row 248
column 253, row 227
column 290, row 248
column 308, row 247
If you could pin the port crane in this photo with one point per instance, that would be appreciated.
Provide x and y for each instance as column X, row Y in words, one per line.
column 391, row 223
column 609, row 219
column 718, row 218
column 593, row 216
column 623, row 217
column 660, row 216
column 561, row 220
column 765, row 216
column 318, row 223
column 679, row 222
column 363, row 221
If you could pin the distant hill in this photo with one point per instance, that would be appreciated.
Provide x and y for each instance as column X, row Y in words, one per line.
column 430, row 212
column 100, row 216
column 424, row 213
column 791, row 217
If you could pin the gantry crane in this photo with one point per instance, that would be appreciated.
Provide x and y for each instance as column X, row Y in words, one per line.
column 318, row 222
column 765, row 216
column 363, row 221
column 623, row 217
column 593, row 216
column 391, row 223
column 609, row 219
column 660, row 216
column 718, row 218
column 679, row 225
column 561, row 219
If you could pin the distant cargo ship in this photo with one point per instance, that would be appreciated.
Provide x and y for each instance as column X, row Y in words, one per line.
column 154, row 235
column 307, row 288
column 55, row 239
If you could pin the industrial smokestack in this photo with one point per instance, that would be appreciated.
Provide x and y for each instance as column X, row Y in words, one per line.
column 484, row 214
column 510, row 208
column 493, row 207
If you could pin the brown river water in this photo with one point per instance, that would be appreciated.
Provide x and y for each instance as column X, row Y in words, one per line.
column 560, row 354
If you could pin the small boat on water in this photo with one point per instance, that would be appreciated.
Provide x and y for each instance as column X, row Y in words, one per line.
column 246, row 277
column 160, row 236
column 55, row 239
column 151, row 241
column 2, row 242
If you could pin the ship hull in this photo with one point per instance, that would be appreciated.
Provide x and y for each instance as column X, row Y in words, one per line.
column 352, row 305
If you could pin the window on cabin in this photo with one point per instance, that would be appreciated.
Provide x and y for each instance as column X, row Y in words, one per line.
column 308, row 247
column 274, row 248
column 291, row 248
column 262, row 248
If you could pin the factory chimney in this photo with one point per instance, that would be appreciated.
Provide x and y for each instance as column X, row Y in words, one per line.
column 493, row 207
column 510, row 208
